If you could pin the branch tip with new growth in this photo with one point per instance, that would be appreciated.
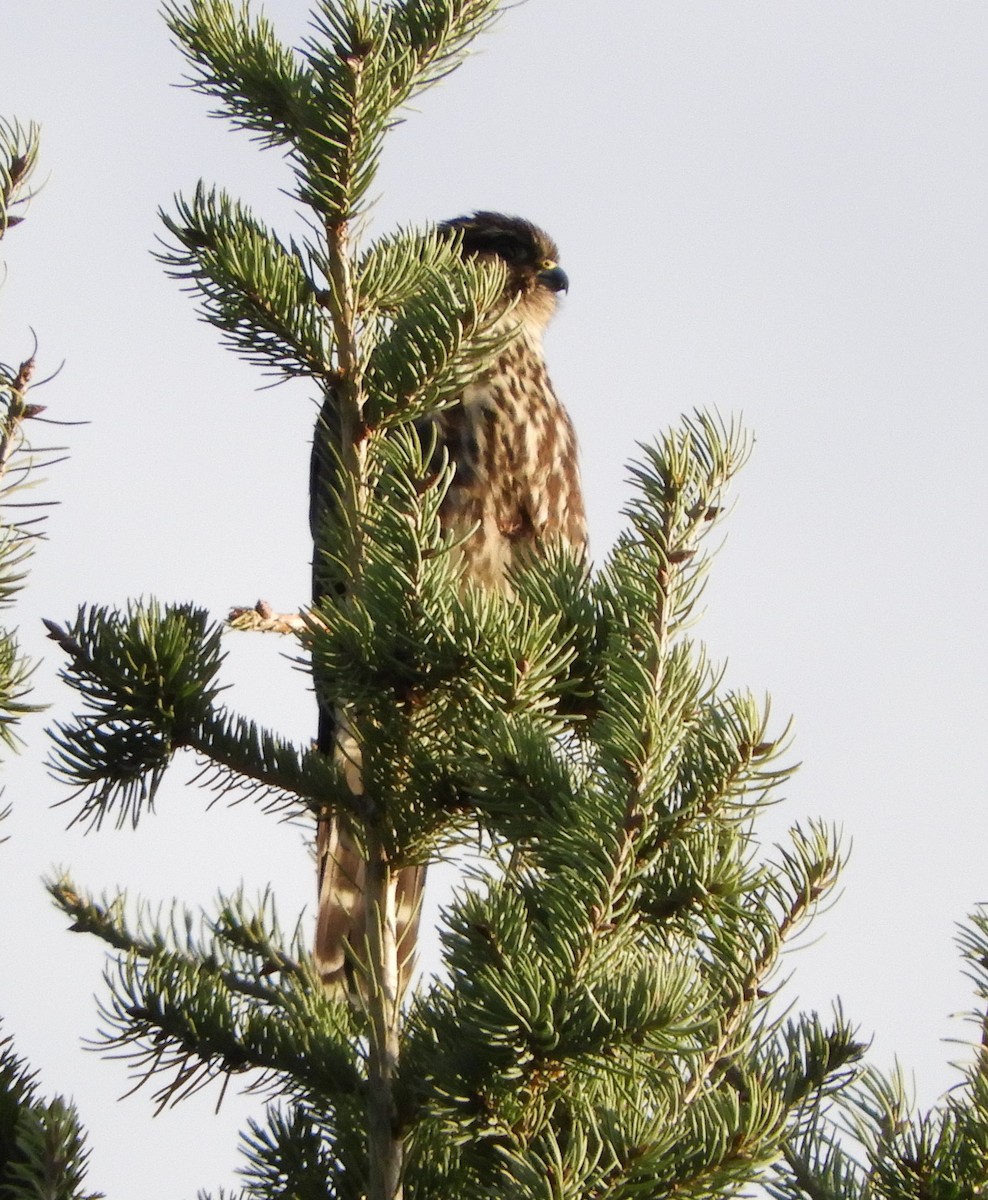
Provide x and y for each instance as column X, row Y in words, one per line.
column 262, row 618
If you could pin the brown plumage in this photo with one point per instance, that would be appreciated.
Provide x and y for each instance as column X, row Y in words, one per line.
column 517, row 481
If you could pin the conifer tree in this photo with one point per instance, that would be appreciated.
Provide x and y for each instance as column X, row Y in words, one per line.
column 867, row 1142
column 601, row 1025
column 18, row 528
column 42, row 1145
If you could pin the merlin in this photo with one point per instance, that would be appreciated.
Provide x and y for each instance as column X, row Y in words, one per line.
column 515, row 487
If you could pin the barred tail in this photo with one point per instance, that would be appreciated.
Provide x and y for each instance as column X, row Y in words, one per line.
column 341, row 923
column 341, row 926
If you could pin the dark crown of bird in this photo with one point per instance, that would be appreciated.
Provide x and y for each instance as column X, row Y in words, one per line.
column 530, row 255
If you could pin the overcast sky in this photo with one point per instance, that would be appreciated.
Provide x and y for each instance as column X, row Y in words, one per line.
column 773, row 208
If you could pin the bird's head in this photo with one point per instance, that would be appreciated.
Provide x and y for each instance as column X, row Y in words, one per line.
column 534, row 276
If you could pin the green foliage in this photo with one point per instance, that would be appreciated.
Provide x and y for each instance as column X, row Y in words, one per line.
column 42, row 1146
column 15, row 673
column 439, row 337
column 252, row 288
column 428, row 321
column 18, row 462
column 415, row 656
column 331, row 103
column 601, row 1025
column 261, row 85
column 622, row 950
column 18, row 158
column 148, row 680
column 197, row 999
column 866, row 1142
column 628, row 942
column 294, row 1146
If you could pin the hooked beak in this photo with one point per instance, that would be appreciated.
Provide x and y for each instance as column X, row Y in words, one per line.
column 554, row 278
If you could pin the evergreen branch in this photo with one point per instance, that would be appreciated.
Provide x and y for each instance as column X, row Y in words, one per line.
column 972, row 941
column 557, row 977
column 816, row 1167
column 560, row 585
column 253, row 289
column 146, row 664
column 711, row 1149
column 940, row 1152
column 103, row 919
column 18, row 159
column 553, row 992
column 649, row 588
column 197, row 1008
column 244, row 761
column 809, row 871
column 245, row 948
column 869, row 1140
column 439, row 340
column 405, row 642
column 256, row 933
column 392, row 270
column 811, row 1062
column 408, row 654
column 368, row 62
column 516, row 1046
column 808, row 1066
column 300, row 1154
column 53, row 1157
column 15, row 674
column 406, row 628
column 17, row 535
column 432, row 37
column 147, row 678
column 42, row 1144
column 112, row 767
column 650, row 700
column 14, row 388
column 680, row 487
column 185, row 1021
column 333, row 104
column 719, row 772
column 262, row 618
column 261, row 85
column 15, row 552
column 337, row 155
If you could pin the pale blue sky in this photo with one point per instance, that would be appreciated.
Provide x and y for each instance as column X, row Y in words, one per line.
column 776, row 209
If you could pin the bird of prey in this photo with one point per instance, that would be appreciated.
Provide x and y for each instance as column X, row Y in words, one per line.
column 516, row 485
